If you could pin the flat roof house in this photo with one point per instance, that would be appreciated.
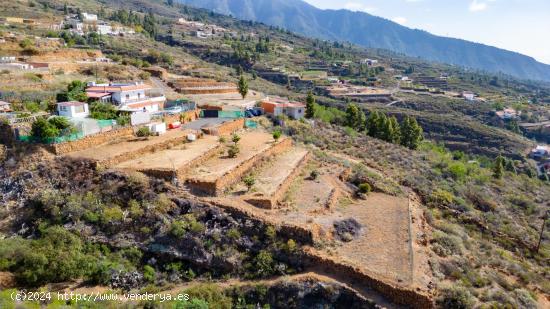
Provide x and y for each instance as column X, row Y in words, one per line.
column 131, row 97
column 73, row 109
column 276, row 106
column 5, row 107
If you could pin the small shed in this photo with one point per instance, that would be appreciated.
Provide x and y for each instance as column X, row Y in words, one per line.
column 73, row 109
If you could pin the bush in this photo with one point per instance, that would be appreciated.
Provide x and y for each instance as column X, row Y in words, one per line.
column 233, row 151
column 149, row 273
column 314, row 175
column 43, row 129
column 103, row 111
column 456, row 297
column 249, row 181
column 365, row 188
column 143, row 132
column 446, row 244
column 277, row 134
column 235, row 138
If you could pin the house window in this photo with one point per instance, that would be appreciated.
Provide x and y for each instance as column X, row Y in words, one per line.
column 139, row 95
column 63, row 108
column 79, row 109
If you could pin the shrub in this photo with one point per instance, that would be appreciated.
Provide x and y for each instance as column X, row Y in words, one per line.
column 249, row 181
column 234, row 233
column 446, row 244
column 235, row 138
column 277, row 134
column 365, row 188
column 455, row 297
column 143, row 132
column 314, row 175
column 102, row 111
column 440, row 197
column 233, row 151
column 263, row 264
column 43, row 129
column 178, row 229
column 149, row 273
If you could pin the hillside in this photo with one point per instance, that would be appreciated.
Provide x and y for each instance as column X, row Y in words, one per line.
column 420, row 199
column 371, row 31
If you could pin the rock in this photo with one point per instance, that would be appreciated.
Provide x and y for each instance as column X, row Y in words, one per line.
column 347, row 230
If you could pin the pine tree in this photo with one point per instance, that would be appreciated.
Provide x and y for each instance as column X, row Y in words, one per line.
column 395, row 129
column 310, row 105
column 411, row 133
column 498, row 168
column 243, row 86
column 355, row 118
column 372, row 124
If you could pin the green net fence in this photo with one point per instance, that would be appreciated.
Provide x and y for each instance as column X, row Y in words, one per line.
column 51, row 140
column 251, row 124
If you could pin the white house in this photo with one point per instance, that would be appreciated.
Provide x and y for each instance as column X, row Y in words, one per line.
column 6, row 59
column 5, row 107
column 468, row 95
column 127, row 97
column 87, row 17
column 278, row 106
column 73, row 109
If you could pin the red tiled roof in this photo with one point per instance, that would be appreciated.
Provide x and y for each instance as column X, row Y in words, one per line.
column 96, row 95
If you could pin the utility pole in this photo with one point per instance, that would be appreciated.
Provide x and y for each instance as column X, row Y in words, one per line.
column 544, row 218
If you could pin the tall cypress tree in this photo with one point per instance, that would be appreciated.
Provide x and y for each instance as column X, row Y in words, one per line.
column 310, row 105
column 498, row 168
column 243, row 86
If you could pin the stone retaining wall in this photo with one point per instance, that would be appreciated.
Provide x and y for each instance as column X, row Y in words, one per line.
column 134, row 154
column 91, row 141
column 270, row 202
column 401, row 295
column 181, row 171
column 301, row 235
column 333, row 198
column 226, row 128
column 187, row 117
column 218, row 186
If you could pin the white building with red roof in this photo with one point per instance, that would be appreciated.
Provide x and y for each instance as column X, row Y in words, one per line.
column 127, row 97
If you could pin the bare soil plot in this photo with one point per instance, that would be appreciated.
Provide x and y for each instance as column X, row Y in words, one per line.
column 129, row 146
column 384, row 245
column 176, row 158
column 273, row 176
column 251, row 144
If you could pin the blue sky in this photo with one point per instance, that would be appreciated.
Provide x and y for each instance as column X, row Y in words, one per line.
column 518, row 25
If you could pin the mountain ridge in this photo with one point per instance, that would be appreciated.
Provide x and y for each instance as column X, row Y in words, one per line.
column 377, row 32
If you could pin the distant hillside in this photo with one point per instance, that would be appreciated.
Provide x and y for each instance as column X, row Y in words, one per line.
column 372, row 31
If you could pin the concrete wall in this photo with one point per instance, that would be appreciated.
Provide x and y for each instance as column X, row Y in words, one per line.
column 91, row 141
column 270, row 202
column 218, row 186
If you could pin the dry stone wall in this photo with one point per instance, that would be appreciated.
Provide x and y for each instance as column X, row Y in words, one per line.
column 226, row 128
column 271, row 202
column 218, row 186
column 91, row 141
column 401, row 295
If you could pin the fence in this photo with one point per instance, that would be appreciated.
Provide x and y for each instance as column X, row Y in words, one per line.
column 51, row 140
column 251, row 124
column 221, row 114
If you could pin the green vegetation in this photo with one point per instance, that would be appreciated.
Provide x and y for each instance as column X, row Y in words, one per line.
column 243, row 86
column 103, row 111
column 310, row 105
column 249, row 181
column 75, row 92
column 143, row 132
column 44, row 130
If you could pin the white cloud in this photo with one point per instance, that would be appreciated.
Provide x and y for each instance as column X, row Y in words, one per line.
column 399, row 20
column 478, row 6
column 356, row 6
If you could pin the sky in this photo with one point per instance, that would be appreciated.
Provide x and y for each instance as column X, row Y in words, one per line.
column 518, row 25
